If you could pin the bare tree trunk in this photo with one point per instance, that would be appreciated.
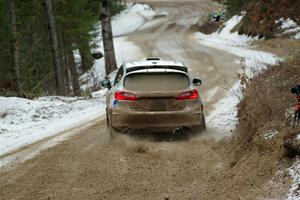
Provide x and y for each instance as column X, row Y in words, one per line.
column 67, row 72
column 34, row 49
column 119, row 3
column 86, row 59
column 59, row 72
column 107, row 37
column 74, row 75
column 15, row 46
column 64, row 58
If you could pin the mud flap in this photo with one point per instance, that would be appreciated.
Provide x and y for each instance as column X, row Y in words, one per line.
column 110, row 130
column 199, row 128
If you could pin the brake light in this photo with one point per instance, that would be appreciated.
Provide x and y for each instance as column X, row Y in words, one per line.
column 121, row 95
column 189, row 95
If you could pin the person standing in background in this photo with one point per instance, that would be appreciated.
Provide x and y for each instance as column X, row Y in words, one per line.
column 296, row 90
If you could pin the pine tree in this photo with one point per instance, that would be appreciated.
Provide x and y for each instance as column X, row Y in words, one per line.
column 6, row 71
column 15, row 46
column 59, row 73
column 105, row 7
column 74, row 21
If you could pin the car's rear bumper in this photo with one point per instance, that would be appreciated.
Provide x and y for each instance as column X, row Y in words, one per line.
column 156, row 120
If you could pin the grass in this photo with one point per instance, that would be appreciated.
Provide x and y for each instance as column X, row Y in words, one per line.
column 268, row 105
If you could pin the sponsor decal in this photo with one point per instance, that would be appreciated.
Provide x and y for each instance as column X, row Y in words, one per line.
column 115, row 103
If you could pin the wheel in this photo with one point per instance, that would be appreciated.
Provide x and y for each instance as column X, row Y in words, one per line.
column 199, row 128
column 110, row 129
column 112, row 132
column 203, row 123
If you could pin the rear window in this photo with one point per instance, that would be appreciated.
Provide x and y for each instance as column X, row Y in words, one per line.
column 156, row 81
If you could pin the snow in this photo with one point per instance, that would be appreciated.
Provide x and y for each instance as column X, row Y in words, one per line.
column 235, row 44
column 128, row 21
column 28, row 153
column 286, row 23
column 297, row 36
column 223, row 118
column 24, row 121
column 294, row 171
column 270, row 135
column 288, row 26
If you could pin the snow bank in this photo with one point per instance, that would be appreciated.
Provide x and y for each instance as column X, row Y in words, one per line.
column 288, row 26
column 223, row 117
column 235, row 44
column 294, row 171
column 129, row 20
column 24, row 121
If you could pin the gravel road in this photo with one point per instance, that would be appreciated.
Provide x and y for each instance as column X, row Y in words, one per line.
column 90, row 165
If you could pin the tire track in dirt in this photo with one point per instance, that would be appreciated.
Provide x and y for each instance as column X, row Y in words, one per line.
column 91, row 166
column 123, row 168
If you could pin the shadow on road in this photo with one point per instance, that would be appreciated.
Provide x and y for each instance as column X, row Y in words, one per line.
column 141, row 135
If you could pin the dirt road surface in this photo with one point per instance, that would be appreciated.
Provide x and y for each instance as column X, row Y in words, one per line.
column 172, row 37
column 92, row 166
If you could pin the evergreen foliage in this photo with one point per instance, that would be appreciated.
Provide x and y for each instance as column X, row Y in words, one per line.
column 75, row 20
column 234, row 6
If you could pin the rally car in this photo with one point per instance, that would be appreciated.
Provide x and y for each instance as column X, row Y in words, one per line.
column 156, row 95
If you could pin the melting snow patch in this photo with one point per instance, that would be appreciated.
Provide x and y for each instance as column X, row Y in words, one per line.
column 294, row 171
column 297, row 36
column 129, row 20
column 223, row 118
column 236, row 44
column 288, row 26
column 24, row 121
column 269, row 135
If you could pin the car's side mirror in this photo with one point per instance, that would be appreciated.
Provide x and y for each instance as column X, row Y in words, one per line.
column 106, row 84
column 197, row 82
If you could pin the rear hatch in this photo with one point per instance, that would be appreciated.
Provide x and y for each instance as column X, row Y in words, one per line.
column 156, row 91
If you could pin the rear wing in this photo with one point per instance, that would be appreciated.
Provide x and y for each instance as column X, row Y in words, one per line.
column 180, row 68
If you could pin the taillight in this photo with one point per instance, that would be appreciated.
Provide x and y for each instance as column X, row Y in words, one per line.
column 121, row 95
column 189, row 95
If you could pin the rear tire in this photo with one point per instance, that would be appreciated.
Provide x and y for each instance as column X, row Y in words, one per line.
column 199, row 128
column 203, row 123
column 110, row 129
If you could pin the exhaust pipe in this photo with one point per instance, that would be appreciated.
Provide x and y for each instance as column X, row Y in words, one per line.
column 177, row 131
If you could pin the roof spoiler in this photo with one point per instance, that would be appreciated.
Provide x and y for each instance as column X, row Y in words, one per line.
column 184, row 69
column 152, row 58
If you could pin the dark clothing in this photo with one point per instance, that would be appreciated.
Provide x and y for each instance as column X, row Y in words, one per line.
column 217, row 17
column 297, row 111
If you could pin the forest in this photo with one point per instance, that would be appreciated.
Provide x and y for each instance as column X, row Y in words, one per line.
column 29, row 66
